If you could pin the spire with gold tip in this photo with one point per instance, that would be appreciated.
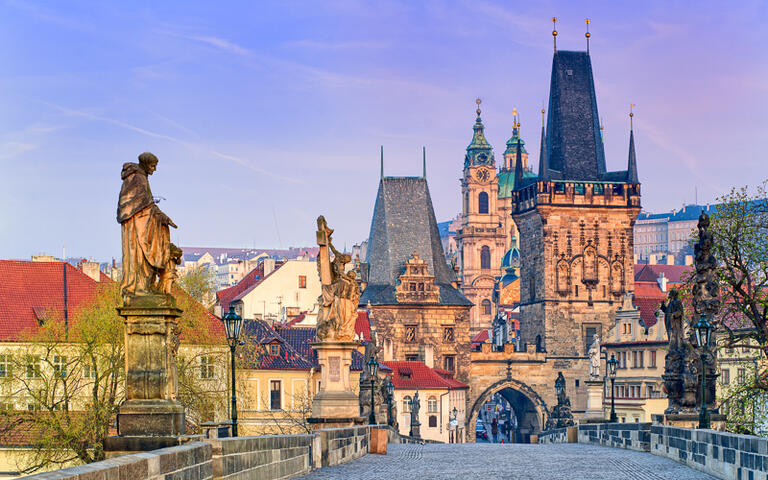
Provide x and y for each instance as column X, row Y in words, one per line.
column 543, row 173
column 554, row 31
column 512, row 142
column 587, row 34
column 479, row 151
column 632, row 162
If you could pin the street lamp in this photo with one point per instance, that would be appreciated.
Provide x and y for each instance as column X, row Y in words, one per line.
column 389, row 388
column 233, row 323
column 373, row 368
column 703, row 330
column 612, row 373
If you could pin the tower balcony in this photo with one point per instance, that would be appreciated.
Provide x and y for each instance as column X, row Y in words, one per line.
column 574, row 193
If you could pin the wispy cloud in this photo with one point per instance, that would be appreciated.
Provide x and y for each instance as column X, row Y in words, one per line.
column 10, row 150
column 213, row 41
column 256, row 168
column 326, row 45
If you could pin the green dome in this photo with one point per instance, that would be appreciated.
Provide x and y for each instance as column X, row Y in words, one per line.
column 512, row 143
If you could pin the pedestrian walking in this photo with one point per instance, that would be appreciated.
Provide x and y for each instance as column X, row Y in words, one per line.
column 495, row 430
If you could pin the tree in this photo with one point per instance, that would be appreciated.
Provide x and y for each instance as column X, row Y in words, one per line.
column 71, row 382
column 200, row 283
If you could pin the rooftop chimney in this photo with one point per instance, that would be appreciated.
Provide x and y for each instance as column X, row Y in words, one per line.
column 670, row 259
column 689, row 259
column 91, row 269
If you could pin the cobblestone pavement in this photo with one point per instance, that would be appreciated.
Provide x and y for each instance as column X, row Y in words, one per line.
column 509, row 461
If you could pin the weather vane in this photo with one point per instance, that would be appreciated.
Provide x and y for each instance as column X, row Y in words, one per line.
column 587, row 34
column 631, row 114
column 478, row 102
column 554, row 31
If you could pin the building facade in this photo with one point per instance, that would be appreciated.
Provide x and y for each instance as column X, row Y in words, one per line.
column 667, row 234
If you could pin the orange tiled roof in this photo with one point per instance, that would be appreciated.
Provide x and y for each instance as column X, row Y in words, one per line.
column 416, row 375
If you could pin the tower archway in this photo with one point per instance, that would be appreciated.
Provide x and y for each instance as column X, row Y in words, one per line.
column 529, row 409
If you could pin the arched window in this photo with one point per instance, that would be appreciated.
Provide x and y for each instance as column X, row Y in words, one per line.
column 486, row 307
column 482, row 201
column 485, row 257
column 406, row 404
column 432, row 405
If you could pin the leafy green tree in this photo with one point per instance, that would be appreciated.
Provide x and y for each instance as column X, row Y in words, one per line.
column 200, row 283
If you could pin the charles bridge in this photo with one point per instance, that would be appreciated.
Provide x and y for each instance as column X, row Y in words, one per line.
column 596, row 451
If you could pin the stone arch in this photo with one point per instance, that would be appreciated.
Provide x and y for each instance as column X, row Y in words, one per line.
column 536, row 406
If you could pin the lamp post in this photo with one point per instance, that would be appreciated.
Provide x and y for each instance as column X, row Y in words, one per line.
column 373, row 368
column 612, row 374
column 703, row 330
column 233, row 323
column 389, row 388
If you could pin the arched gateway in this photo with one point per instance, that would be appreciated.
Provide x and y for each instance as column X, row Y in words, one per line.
column 529, row 408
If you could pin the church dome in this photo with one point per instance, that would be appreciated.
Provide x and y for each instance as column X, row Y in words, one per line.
column 511, row 259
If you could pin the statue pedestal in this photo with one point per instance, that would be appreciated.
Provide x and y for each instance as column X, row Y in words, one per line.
column 150, row 411
column 594, row 400
column 335, row 405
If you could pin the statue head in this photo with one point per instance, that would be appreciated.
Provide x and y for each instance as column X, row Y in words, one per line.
column 148, row 162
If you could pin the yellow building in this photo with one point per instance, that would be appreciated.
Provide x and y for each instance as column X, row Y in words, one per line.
column 278, row 376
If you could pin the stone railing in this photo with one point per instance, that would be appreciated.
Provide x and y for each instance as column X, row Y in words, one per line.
column 723, row 455
column 263, row 457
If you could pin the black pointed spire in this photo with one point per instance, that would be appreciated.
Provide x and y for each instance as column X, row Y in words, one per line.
column 518, row 166
column 543, row 173
column 632, row 162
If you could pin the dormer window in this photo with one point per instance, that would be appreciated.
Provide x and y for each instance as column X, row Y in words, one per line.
column 274, row 349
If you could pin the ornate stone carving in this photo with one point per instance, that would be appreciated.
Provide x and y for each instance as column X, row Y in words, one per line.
column 149, row 257
column 340, row 291
column 683, row 365
column 561, row 415
column 415, row 284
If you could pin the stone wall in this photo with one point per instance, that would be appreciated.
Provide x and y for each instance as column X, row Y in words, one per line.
column 632, row 436
column 191, row 461
column 724, row 455
column 264, row 457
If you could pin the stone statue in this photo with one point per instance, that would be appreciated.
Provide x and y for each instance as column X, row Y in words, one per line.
column 149, row 257
column 561, row 415
column 340, row 291
column 415, row 424
column 673, row 318
column 372, row 350
column 594, row 358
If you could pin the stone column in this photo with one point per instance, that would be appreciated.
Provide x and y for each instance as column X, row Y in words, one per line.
column 594, row 400
column 150, row 417
column 335, row 404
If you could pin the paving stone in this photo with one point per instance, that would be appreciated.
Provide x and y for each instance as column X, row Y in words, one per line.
column 513, row 461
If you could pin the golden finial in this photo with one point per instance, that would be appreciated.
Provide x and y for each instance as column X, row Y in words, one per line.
column 478, row 102
column 587, row 34
column 554, row 31
column 542, row 116
column 631, row 114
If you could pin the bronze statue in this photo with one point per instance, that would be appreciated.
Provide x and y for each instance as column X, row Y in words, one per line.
column 147, row 249
column 340, row 291
column 561, row 415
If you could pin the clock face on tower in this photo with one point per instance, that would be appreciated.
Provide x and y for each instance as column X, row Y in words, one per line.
column 482, row 175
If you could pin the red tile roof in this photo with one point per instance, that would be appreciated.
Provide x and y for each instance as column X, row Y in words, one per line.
column 250, row 279
column 363, row 326
column 29, row 290
column 418, row 376
column 673, row 273
column 480, row 337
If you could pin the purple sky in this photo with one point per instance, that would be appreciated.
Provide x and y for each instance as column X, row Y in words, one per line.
column 265, row 115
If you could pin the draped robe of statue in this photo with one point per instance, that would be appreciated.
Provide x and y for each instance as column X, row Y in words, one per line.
column 145, row 234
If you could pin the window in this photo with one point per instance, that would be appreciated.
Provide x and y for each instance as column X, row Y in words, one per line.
column 59, row 366
column 741, row 375
column 412, row 286
column 447, row 334
column 532, row 288
column 589, row 337
column 648, row 391
column 407, row 404
column 206, row 367
column 33, row 366
column 637, row 358
column 274, row 395
column 652, row 359
column 485, row 258
column 420, row 287
column 486, row 305
column 559, row 187
column 274, row 349
column 578, row 189
column 412, row 358
column 618, row 189
column 410, row 333
column 725, row 376
column 449, row 363
column 432, row 405
column 5, row 366
column 302, row 281
column 482, row 202
column 433, row 421
column 597, row 189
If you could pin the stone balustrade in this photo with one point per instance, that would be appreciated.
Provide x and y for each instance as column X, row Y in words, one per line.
column 720, row 454
column 264, row 457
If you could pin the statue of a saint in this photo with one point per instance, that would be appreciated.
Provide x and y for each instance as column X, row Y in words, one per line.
column 340, row 291
column 147, row 249
column 594, row 358
column 673, row 319
column 415, row 407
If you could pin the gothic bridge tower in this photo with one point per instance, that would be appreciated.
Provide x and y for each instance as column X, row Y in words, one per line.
column 575, row 221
